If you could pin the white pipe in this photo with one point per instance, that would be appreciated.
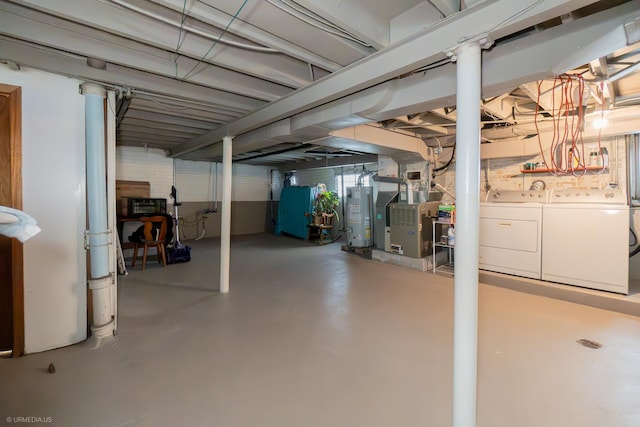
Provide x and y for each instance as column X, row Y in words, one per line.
column 100, row 280
column 214, row 185
column 190, row 29
column 111, row 201
column 409, row 192
column 225, row 232
column 465, row 327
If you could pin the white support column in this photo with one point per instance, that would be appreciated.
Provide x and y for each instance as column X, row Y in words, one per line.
column 465, row 328
column 225, row 232
column 100, row 281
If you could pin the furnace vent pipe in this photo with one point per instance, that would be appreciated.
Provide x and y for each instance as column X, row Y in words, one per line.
column 362, row 175
column 396, row 180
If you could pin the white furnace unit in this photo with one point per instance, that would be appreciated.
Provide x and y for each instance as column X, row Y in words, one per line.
column 410, row 229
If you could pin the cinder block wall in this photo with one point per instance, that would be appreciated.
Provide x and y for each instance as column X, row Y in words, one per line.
column 505, row 174
column 255, row 191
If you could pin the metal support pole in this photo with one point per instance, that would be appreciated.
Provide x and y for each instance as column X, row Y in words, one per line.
column 465, row 327
column 100, row 282
column 225, row 232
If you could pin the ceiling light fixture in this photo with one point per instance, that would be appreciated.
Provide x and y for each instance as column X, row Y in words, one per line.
column 600, row 123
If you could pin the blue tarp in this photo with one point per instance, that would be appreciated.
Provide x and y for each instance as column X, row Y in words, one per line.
column 294, row 203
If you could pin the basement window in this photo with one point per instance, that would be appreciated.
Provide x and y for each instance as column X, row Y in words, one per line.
column 350, row 180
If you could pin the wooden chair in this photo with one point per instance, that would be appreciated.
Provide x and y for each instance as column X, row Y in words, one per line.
column 153, row 237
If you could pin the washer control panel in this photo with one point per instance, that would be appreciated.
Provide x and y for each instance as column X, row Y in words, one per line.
column 607, row 196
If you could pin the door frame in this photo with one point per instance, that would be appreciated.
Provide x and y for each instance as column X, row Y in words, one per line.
column 14, row 182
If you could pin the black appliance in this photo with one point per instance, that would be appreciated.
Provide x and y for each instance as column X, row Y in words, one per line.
column 140, row 207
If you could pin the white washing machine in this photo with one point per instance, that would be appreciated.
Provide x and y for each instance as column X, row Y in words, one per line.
column 585, row 240
column 511, row 232
column 634, row 243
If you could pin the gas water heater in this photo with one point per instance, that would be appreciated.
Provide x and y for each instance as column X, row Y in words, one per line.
column 359, row 216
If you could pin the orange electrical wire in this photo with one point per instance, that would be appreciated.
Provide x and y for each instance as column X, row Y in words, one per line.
column 568, row 121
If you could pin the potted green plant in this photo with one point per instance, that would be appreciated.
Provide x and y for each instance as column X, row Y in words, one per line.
column 324, row 207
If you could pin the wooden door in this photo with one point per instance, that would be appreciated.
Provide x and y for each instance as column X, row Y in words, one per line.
column 11, row 258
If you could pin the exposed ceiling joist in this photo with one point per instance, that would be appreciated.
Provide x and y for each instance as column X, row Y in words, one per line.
column 156, row 117
column 501, row 107
column 244, row 86
column 37, row 27
column 496, row 18
column 204, row 12
column 115, row 19
column 74, row 66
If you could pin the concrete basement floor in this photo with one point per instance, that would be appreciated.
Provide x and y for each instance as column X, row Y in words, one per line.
column 314, row 336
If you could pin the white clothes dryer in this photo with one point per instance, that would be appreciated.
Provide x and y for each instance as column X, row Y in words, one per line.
column 511, row 232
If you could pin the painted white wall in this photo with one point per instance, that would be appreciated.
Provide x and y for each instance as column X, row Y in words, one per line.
column 149, row 165
column 248, row 183
column 195, row 181
column 53, row 181
column 313, row 177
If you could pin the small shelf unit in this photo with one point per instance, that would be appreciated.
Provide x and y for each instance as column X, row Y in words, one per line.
column 437, row 225
column 581, row 169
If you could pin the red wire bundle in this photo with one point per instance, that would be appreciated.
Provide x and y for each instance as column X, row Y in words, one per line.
column 567, row 152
